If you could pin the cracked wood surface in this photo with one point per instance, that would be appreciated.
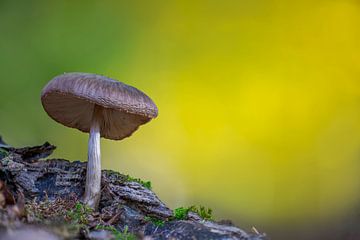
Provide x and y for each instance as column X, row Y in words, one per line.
column 124, row 202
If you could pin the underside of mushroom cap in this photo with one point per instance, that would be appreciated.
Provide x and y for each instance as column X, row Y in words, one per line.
column 70, row 99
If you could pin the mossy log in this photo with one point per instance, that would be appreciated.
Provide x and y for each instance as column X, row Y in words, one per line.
column 37, row 195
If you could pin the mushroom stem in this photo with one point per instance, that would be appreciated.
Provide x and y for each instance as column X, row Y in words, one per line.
column 93, row 173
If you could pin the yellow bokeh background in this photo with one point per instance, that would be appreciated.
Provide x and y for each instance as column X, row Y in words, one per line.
column 259, row 101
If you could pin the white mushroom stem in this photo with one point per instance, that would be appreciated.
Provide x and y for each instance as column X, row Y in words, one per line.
column 93, row 173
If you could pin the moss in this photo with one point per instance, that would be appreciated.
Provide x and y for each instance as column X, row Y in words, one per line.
column 117, row 174
column 61, row 216
column 146, row 184
column 3, row 153
column 203, row 212
column 127, row 178
column 155, row 221
column 181, row 213
column 80, row 214
column 58, row 208
column 118, row 235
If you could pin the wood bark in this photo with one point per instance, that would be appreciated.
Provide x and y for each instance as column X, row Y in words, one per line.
column 123, row 203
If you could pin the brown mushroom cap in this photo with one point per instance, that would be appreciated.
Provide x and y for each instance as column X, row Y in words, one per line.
column 70, row 99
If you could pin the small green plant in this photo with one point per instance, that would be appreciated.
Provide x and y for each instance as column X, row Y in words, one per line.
column 204, row 213
column 118, row 235
column 146, row 184
column 79, row 214
column 181, row 213
column 4, row 153
column 155, row 221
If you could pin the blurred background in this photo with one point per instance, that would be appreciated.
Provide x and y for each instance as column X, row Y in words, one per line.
column 259, row 101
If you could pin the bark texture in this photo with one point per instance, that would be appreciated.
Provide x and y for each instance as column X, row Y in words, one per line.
column 123, row 203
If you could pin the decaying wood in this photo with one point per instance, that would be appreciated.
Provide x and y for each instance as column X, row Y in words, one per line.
column 60, row 183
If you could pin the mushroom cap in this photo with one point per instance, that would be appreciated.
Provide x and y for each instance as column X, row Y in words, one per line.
column 70, row 99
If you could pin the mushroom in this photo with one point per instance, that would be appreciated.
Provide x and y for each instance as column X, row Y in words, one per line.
column 100, row 106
